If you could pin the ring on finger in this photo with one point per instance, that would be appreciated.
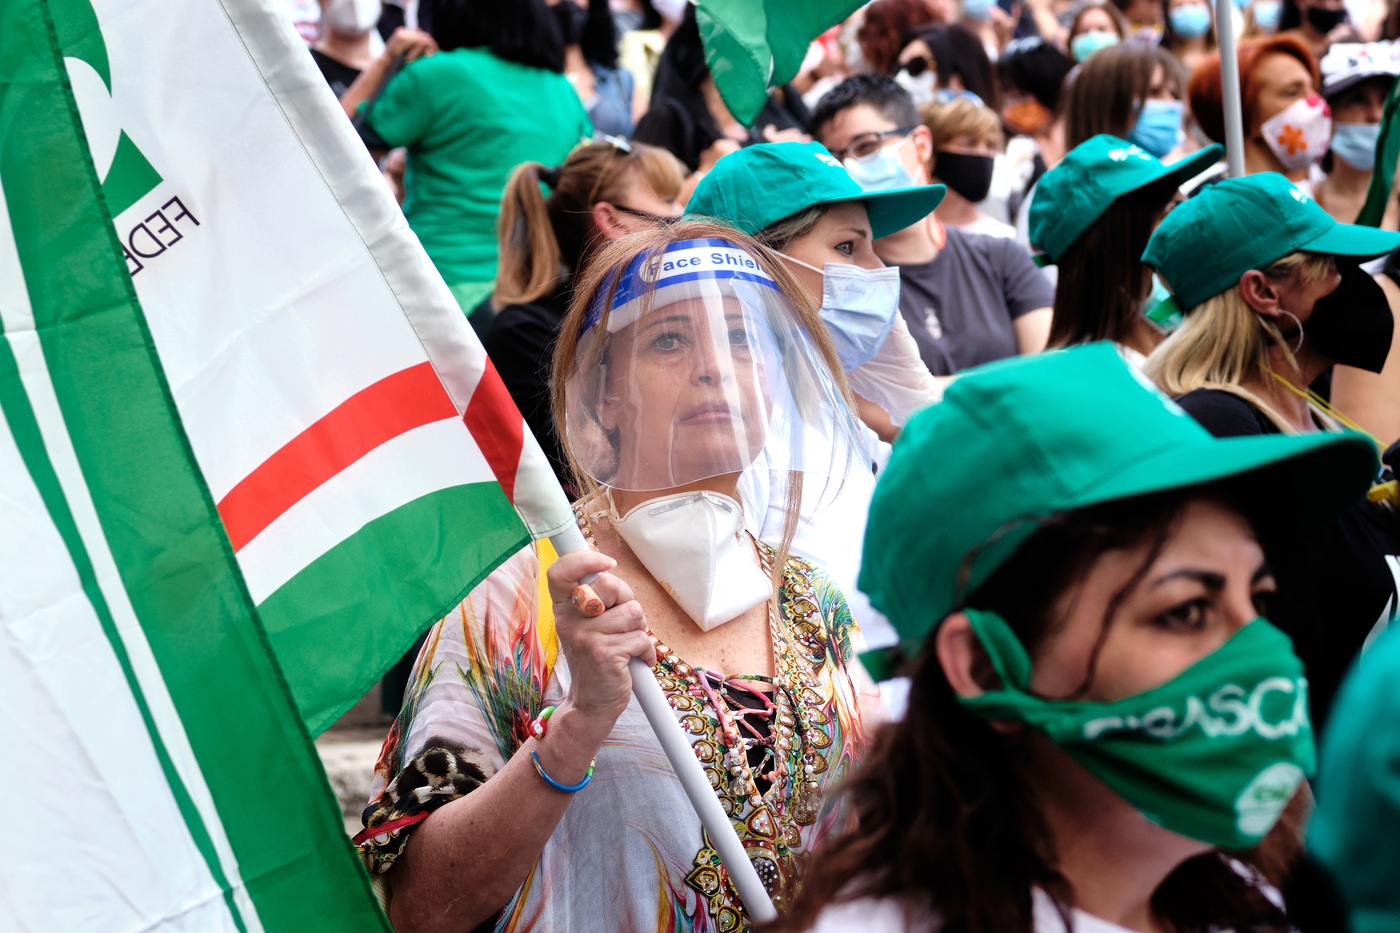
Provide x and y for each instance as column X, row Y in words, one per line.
column 587, row 601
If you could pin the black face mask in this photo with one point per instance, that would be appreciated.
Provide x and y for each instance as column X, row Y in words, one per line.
column 1353, row 325
column 571, row 18
column 968, row 175
column 1325, row 20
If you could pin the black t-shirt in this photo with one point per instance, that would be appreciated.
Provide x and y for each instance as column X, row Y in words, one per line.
column 337, row 74
column 521, row 345
column 1336, row 583
column 960, row 307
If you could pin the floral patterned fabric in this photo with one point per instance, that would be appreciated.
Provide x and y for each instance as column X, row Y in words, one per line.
column 629, row 853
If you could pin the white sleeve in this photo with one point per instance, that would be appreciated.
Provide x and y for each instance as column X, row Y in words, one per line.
column 896, row 379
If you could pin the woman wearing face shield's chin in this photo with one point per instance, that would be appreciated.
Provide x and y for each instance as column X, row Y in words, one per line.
column 521, row 786
column 799, row 201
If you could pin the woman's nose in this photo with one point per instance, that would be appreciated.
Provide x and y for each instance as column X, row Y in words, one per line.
column 708, row 368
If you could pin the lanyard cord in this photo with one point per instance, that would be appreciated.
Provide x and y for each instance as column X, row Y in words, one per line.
column 1326, row 408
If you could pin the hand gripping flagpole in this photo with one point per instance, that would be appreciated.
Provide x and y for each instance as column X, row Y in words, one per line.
column 687, row 767
column 1230, row 87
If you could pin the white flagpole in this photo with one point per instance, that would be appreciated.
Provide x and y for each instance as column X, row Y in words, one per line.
column 687, row 767
column 1230, row 86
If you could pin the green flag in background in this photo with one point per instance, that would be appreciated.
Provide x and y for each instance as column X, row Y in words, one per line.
column 751, row 45
column 1387, row 152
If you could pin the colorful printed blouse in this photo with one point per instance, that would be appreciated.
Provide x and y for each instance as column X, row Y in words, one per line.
column 629, row 852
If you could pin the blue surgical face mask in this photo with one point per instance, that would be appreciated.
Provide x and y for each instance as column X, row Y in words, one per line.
column 1087, row 43
column 1267, row 14
column 1158, row 126
column 858, row 308
column 979, row 11
column 882, row 170
column 1355, row 144
column 1191, row 21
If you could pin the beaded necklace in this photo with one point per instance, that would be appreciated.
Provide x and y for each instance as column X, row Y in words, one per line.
column 789, row 757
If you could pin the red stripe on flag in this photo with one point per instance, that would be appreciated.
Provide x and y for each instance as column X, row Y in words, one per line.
column 392, row 406
column 497, row 428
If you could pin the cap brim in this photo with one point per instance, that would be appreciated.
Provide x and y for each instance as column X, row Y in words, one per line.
column 1354, row 240
column 1178, row 173
column 892, row 211
column 1310, row 478
column 1351, row 81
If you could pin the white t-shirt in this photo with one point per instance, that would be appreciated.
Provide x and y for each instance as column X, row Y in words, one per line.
column 989, row 226
column 887, row 915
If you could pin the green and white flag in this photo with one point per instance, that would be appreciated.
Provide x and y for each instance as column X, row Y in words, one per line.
column 751, row 45
column 249, row 449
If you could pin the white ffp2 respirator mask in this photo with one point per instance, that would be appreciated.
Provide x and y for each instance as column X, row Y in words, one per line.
column 694, row 545
column 353, row 17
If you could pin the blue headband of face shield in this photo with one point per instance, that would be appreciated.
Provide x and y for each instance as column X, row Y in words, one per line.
column 682, row 261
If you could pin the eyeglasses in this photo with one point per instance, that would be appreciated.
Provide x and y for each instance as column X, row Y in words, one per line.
column 645, row 215
column 866, row 143
column 620, row 147
column 1023, row 44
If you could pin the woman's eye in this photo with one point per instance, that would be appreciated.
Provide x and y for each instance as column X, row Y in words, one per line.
column 847, row 248
column 1189, row 615
column 667, row 342
column 1263, row 602
column 739, row 339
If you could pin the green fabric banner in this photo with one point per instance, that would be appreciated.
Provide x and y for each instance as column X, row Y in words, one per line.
column 751, row 45
column 90, row 410
column 1387, row 153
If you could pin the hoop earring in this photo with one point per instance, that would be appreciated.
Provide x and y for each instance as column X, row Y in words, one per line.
column 1296, row 350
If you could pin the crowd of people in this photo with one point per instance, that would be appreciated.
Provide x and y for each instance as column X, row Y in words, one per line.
column 1002, row 495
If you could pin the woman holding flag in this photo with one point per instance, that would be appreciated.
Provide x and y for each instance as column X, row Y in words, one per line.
column 799, row 201
column 521, row 786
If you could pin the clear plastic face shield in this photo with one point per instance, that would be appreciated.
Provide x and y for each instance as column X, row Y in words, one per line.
column 691, row 362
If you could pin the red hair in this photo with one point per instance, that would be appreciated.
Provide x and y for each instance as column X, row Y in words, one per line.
column 1205, row 94
column 882, row 33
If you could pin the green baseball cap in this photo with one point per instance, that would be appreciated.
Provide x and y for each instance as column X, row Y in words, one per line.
column 1206, row 243
column 760, row 185
column 1019, row 440
column 1091, row 176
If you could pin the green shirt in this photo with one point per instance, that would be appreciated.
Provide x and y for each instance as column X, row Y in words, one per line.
column 468, row 118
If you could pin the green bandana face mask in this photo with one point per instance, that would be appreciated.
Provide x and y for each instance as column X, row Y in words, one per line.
column 1213, row 754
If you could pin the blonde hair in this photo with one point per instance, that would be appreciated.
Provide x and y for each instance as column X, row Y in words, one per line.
column 1223, row 341
column 961, row 116
column 600, row 279
column 538, row 238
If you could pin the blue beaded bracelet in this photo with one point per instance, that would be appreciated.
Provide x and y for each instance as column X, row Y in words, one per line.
column 566, row 788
